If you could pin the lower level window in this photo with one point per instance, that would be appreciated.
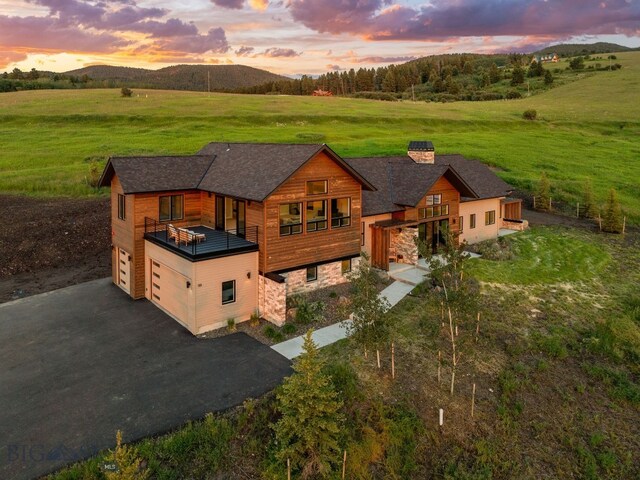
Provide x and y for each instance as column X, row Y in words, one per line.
column 228, row 292
column 461, row 224
column 346, row 266
column 490, row 217
column 312, row 274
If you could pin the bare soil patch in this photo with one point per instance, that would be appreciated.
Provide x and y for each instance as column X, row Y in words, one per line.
column 46, row 244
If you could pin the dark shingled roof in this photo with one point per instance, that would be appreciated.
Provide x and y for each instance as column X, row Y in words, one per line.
column 478, row 175
column 400, row 181
column 245, row 170
column 423, row 146
column 156, row 174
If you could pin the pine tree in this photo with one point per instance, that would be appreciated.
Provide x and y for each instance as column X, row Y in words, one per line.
column 494, row 73
column 517, row 76
column 548, row 77
column 129, row 465
column 543, row 195
column 308, row 431
column 612, row 215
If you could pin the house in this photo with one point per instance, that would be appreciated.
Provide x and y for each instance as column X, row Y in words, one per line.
column 237, row 228
column 551, row 57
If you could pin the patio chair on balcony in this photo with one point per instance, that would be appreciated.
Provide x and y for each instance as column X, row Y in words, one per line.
column 199, row 237
column 173, row 233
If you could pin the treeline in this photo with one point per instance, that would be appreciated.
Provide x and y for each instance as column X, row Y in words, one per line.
column 436, row 78
column 17, row 80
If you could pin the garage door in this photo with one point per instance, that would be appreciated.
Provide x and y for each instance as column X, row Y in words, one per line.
column 169, row 291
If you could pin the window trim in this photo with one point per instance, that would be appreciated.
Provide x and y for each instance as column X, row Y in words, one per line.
column 472, row 221
column 342, row 221
column 490, row 217
column 317, row 222
column 122, row 207
column 315, row 276
column 171, row 216
column 433, row 198
column 290, row 225
column 362, row 239
column 326, row 187
column 233, row 282
column 461, row 224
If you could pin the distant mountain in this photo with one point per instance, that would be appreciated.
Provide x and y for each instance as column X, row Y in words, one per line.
column 180, row 77
column 572, row 49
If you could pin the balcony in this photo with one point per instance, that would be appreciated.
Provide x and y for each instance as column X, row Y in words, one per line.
column 199, row 242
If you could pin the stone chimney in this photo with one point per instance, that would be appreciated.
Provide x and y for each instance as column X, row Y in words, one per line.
column 421, row 152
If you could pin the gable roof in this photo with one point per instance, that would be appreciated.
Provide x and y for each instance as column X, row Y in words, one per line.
column 479, row 176
column 156, row 174
column 254, row 170
column 245, row 170
column 401, row 182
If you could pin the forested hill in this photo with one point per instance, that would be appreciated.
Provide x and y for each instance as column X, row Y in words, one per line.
column 572, row 49
column 179, row 77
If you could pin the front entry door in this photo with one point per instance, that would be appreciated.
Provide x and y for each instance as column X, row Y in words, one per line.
column 434, row 233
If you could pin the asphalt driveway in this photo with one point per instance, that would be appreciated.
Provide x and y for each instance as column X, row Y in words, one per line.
column 77, row 364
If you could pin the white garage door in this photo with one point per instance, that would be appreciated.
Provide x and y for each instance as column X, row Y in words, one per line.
column 169, row 291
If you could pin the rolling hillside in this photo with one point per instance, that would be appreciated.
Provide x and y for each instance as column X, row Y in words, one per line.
column 586, row 130
column 180, row 77
column 572, row 49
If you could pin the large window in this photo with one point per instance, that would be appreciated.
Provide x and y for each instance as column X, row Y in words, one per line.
column 434, row 211
column 312, row 274
column 228, row 292
column 171, row 208
column 122, row 215
column 472, row 220
column 434, row 199
column 316, row 215
column 490, row 217
column 317, row 187
column 340, row 212
column 290, row 218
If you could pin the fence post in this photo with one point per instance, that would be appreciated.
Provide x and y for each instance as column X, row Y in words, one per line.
column 534, row 202
column 549, row 203
column 578, row 210
column 624, row 224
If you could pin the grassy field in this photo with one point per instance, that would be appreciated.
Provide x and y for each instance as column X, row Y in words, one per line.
column 556, row 366
column 588, row 129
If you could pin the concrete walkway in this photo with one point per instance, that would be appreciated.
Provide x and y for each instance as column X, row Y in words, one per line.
column 292, row 348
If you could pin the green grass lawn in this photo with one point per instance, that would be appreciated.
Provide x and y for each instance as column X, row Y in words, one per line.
column 587, row 129
column 544, row 256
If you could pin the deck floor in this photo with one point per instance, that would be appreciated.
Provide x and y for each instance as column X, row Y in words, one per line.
column 216, row 241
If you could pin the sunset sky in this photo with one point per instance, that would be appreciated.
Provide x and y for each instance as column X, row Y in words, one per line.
column 295, row 36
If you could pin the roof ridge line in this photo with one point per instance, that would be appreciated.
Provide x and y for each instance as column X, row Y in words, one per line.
column 206, row 171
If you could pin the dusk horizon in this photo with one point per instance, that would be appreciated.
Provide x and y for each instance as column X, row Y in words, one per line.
column 295, row 37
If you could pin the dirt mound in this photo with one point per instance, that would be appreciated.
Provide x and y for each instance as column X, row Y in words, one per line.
column 51, row 243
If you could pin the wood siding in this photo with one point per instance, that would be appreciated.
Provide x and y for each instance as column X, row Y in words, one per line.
column 121, row 230
column 287, row 252
column 450, row 196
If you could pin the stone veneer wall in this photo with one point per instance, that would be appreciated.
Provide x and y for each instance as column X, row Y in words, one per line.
column 515, row 225
column 405, row 245
column 329, row 274
column 420, row 156
column 272, row 298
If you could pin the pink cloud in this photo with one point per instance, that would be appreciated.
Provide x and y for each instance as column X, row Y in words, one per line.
column 234, row 4
column 278, row 52
column 244, row 51
column 442, row 19
column 7, row 58
column 214, row 41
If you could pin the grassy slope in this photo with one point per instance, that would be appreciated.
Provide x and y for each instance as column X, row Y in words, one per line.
column 47, row 136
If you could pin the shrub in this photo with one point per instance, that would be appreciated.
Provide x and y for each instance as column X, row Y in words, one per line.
column 308, row 312
column 288, row 329
column 544, row 193
column 494, row 250
column 548, row 77
column 612, row 215
column 94, row 174
column 513, row 94
column 231, row 324
column 530, row 114
column 576, row 63
column 271, row 332
column 254, row 320
column 387, row 97
column 333, row 294
column 126, row 92
column 129, row 465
